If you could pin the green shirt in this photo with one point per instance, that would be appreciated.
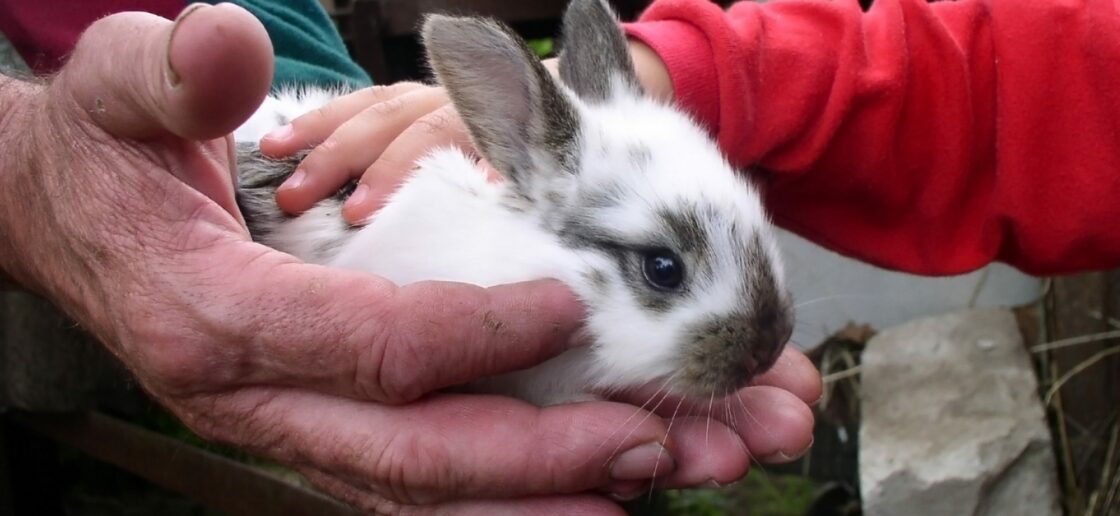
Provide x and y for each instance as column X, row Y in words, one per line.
column 308, row 47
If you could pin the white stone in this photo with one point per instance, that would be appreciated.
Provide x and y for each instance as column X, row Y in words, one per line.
column 952, row 423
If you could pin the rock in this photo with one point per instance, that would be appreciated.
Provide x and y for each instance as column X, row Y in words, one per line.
column 952, row 423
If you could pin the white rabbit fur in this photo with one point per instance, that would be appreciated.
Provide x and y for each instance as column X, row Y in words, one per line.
column 643, row 177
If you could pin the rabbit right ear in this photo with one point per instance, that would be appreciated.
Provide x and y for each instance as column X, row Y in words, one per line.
column 595, row 61
column 518, row 117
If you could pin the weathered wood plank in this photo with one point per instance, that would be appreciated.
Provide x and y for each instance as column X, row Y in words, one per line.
column 223, row 484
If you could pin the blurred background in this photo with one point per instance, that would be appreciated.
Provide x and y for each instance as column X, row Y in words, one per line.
column 127, row 456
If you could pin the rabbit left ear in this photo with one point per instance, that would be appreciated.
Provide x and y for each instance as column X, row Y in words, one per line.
column 518, row 117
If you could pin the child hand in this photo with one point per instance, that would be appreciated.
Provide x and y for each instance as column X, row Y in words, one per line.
column 376, row 134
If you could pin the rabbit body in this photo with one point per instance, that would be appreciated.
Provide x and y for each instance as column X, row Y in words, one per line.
column 603, row 185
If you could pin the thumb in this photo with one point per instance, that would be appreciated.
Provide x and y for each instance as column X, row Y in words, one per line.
column 141, row 76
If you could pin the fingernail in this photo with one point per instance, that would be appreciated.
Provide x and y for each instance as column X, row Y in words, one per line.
column 781, row 457
column 361, row 193
column 280, row 133
column 172, row 75
column 712, row 484
column 294, row 181
column 627, row 490
column 647, row 461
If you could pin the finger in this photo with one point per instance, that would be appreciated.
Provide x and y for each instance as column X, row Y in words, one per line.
column 709, row 453
column 350, row 333
column 313, row 128
column 794, row 372
column 492, row 173
column 352, row 147
column 440, row 128
column 444, row 448
column 775, row 425
column 141, row 76
column 576, row 505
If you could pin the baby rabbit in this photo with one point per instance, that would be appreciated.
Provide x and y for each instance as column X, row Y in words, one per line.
column 621, row 197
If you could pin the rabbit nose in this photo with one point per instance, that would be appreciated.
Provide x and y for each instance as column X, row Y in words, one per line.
column 773, row 328
column 769, row 325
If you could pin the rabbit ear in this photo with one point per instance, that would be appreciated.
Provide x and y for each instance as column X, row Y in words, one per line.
column 595, row 58
column 515, row 111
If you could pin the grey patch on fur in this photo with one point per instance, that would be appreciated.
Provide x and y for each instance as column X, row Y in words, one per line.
column 594, row 52
column 258, row 178
column 554, row 198
column 511, row 105
column 580, row 230
column 640, row 156
column 608, row 196
column 598, row 281
column 771, row 307
column 686, row 227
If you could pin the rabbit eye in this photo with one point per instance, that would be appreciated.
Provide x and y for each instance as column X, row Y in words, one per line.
column 663, row 269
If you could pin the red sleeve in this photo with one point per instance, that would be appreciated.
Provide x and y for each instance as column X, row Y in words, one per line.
column 44, row 31
column 931, row 138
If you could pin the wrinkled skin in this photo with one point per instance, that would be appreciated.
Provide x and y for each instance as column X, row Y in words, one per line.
column 116, row 203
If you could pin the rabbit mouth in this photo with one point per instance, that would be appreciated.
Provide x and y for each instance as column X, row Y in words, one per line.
column 716, row 375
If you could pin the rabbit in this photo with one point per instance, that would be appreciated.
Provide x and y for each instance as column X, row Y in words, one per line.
column 623, row 198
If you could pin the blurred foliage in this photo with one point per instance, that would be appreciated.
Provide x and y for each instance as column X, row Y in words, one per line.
column 543, row 47
column 760, row 494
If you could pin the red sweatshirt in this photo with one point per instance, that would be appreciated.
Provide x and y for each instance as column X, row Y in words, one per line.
column 932, row 138
column 45, row 31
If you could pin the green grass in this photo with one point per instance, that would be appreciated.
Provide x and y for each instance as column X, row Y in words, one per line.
column 760, row 494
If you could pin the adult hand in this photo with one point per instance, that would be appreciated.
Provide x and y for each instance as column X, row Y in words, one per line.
column 116, row 204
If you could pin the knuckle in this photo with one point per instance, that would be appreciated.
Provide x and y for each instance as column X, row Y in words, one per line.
column 416, row 351
column 241, row 419
column 393, row 371
column 305, row 124
column 411, row 470
column 321, row 113
column 380, row 93
column 435, row 123
column 323, row 152
column 393, row 167
column 386, row 108
column 327, row 160
column 204, row 426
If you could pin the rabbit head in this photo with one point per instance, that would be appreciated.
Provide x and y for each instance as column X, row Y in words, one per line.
column 677, row 267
